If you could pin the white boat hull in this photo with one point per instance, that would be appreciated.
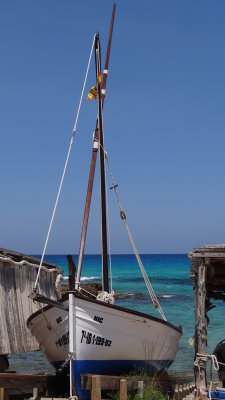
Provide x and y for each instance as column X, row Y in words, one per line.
column 107, row 339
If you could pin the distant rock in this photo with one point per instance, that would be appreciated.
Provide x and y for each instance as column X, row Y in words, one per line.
column 95, row 288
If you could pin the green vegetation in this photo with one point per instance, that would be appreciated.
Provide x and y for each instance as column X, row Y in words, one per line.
column 151, row 390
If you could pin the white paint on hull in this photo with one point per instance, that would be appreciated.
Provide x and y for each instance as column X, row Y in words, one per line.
column 103, row 332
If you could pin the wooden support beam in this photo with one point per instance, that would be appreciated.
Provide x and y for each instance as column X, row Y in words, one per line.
column 123, row 389
column 23, row 381
column 95, row 388
column 109, row 382
column 140, row 389
column 4, row 394
column 72, row 271
column 35, row 394
column 200, row 327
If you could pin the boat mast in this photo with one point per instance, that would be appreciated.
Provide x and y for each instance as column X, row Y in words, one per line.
column 102, row 168
column 93, row 160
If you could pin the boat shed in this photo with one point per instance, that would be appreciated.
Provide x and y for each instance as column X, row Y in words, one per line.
column 207, row 273
column 18, row 273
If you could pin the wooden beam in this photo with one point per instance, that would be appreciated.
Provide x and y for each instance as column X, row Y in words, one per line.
column 25, row 381
column 4, row 394
column 72, row 272
column 200, row 327
column 206, row 254
column 123, row 389
column 95, row 388
column 110, row 382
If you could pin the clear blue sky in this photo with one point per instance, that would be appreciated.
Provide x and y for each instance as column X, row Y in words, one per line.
column 164, row 121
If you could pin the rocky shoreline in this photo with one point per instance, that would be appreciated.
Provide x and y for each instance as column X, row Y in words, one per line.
column 95, row 288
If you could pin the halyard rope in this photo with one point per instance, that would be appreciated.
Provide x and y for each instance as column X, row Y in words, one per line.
column 64, row 171
column 108, row 226
column 109, row 240
column 151, row 292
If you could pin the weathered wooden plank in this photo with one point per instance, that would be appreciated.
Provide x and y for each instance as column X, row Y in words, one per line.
column 109, row 382
column 205, row 254
column 210, row 247
column 18, row 257
column 24, row 381
column 4, row 394
column 95, row 388
column 200, row 327
column 123, row 389
column 72, row 271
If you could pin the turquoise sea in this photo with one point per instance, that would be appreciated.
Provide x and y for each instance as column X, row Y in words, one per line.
column 169, row 275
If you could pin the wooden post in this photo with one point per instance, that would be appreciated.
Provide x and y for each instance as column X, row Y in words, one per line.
column 123, row 389
column 72, row 271
column 140, row 389
column 180, row 392
column 188, row 388
column 4, row 394
column 200, row 327
column 95, row 388
column 176, row 392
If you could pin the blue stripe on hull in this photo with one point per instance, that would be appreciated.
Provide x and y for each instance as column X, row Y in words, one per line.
column 112, row 367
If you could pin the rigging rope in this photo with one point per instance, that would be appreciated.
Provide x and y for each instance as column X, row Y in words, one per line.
column 108, row 226
column 151, row 292
column 64, row 170
column 109, row 240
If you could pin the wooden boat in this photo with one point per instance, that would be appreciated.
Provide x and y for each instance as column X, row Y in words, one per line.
column 99, row 336
column 107, row 339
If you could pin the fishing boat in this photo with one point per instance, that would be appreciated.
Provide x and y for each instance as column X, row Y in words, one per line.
column 90, row 332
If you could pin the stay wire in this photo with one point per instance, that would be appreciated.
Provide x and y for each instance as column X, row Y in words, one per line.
column 152, row 294
column 64, row 170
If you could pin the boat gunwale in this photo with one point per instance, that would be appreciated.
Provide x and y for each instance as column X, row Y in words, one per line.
column 113, row 306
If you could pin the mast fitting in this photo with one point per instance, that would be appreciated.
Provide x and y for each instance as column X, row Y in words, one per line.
column 123, row 215
column 95, row 145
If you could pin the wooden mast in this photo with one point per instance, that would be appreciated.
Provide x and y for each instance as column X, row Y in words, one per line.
column 105, row 282
column 93, row 160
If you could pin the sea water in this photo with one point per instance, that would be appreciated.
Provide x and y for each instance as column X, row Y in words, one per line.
column 169, row 275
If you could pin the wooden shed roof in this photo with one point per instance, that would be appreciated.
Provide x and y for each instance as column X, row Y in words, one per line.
column 209, row 251
column 17, row 257
column 213, row 257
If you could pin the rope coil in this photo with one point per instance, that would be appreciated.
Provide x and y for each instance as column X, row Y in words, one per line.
column 106, row 297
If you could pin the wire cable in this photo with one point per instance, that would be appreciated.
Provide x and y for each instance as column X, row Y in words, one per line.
column 64, row 170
